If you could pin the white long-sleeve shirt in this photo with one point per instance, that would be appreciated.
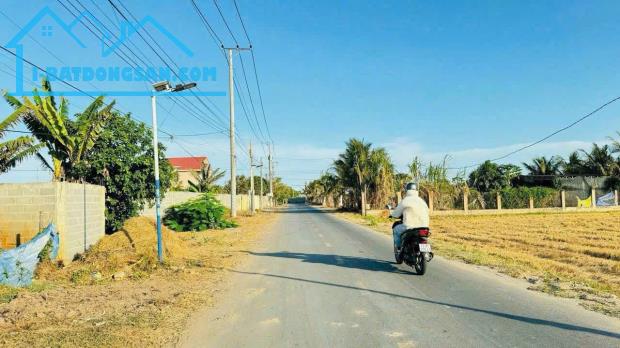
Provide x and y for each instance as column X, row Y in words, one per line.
column 413, row 209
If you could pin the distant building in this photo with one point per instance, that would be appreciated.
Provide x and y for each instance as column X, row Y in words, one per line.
column 186, row 167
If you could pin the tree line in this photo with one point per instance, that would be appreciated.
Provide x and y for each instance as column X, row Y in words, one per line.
column 365, row 176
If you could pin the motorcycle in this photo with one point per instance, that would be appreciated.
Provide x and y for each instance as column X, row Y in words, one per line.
column 415, row 250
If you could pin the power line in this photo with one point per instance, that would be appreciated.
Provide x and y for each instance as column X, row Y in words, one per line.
column 225, row 22
column 242, row 25
column 66, row 83
column 206, row 23
column 162, row 59
column 260, row 96
column 550, row 135
column 126, row 59
column 218, row 42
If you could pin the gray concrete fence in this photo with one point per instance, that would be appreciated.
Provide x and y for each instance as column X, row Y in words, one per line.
column 76, row 209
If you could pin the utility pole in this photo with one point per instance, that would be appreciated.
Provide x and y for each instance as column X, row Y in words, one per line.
column 260, row 202
column 271, row 177
column 233, row 169
column 231, row 98
column 251, row 181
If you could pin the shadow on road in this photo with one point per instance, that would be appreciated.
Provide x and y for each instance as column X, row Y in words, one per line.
column 534, row 321
column 362, row 263
column 301, row 209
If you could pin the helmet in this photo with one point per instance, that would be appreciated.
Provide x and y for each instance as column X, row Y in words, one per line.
column 411, row 186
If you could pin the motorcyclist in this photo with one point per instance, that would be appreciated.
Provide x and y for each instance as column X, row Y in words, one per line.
column 414, row 212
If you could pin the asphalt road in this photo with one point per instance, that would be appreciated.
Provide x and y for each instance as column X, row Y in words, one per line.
column 318, row 281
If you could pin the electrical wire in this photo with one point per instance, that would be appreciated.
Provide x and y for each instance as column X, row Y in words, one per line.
column 570, row 125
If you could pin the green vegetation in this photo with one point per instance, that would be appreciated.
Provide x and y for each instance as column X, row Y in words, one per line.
column 122, row 161
column 97, row 146
column 363, row 175
column 199, row 214
column 15, row 150
column 68, row 141
column 205, row 179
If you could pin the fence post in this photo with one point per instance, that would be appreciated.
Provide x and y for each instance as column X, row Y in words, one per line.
column 531, row 202
column 499, row 201
column 465, row 200
column 563, row 199
column 430, row 200
column 616, row 197
column 593, row 198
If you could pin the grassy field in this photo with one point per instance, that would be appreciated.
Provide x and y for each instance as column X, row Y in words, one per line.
column 573, row 255
column 117, row 295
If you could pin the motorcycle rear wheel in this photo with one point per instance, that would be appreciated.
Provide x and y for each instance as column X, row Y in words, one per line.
column 420, row 266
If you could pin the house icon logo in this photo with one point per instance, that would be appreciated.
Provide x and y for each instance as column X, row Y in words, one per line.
column 46, row 24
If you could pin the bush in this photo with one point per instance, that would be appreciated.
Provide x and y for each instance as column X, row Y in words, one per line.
column 198, row 214
column 519, row 197
column 612, row 183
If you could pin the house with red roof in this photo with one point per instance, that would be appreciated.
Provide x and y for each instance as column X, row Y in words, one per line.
column 186, row 167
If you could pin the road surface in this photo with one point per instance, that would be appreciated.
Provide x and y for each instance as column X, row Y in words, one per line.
column 318, row 281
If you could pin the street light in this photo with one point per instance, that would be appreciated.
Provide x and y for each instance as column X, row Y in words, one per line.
column 161, row 87
column 260, row 200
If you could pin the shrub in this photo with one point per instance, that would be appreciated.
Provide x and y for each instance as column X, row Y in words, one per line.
column 198, row 214
column 519, row 197
column 122, row 161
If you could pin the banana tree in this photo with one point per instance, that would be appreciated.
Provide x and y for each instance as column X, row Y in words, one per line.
column 67, row 140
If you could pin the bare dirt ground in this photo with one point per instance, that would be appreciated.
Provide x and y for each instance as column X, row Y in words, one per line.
column 574, row 255
column 118, row 295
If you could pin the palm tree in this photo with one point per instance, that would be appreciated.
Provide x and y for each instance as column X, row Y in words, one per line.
column 615, row 143
column 381, row 176
column 575, row 164
column 600, row 160
column 205, row 179
column 67, row 141
column 352, row 167
column 544, row 166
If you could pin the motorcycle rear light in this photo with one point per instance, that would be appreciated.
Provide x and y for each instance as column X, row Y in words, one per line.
column 423, row 232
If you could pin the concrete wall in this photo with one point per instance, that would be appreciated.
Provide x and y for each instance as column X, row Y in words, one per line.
column 243, row 201
column 171, row 198
column 176, row 197
column 77, row 210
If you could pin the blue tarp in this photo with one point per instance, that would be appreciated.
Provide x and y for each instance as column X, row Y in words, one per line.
column 606, row 200
column 17, row 265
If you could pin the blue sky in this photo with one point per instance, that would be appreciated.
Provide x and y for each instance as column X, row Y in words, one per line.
column 470, row 79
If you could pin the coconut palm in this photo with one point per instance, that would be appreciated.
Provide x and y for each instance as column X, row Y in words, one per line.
column 544, row 166
column 600, row 160
column 615, row 143
column 381, row 176
column 205, row 179
column 352, row 167
column 67, row 140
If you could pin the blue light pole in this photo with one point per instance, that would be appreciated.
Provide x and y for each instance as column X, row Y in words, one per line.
column 163, row 86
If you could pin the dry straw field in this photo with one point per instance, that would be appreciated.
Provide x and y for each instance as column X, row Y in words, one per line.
column 118, row 296
column 573, row 254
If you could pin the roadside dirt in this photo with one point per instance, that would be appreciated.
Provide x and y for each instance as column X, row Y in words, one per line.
column 118, row 295
column 571, row 255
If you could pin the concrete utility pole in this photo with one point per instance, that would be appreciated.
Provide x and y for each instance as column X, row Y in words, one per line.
column 270, row 176
column 260, row 201
column 233, row 159
column 233, row 166
column 251, row 181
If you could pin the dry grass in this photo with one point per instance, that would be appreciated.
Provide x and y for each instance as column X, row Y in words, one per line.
column 81, row 305
column 573, row 255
